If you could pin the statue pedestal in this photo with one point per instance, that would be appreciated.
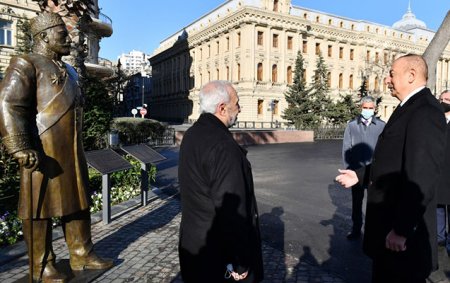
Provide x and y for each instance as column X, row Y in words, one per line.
column 73, row 276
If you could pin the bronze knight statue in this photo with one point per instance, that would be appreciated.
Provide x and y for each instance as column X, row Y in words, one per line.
column 40, row 124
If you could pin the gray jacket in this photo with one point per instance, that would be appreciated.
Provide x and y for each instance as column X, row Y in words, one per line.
column 359, row 142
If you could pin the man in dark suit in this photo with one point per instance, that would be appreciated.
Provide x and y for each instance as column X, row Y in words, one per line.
column 219, row 231
column 400, row 229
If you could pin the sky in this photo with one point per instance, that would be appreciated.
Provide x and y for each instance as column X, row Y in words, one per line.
column 143, row 24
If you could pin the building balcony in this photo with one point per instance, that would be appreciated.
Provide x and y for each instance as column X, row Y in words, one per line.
column 102, row 25
column 104, row 69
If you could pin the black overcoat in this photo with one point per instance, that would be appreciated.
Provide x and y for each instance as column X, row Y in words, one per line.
column 219, row 223
column 405, row 173
column 443, row 194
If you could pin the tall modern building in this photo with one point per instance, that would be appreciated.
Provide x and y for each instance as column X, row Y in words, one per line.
column 254, row 44
column 99, row 26
column 135, row 62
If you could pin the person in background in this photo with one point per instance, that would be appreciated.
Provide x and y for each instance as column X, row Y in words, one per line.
column 360, row 138
column 400, row 227
column 219, row 232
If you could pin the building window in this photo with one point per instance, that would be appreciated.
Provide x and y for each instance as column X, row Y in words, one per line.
column 217, row 74
column 341, row 24
column 352, row 53
column 317, row 48
column 289, row 75
column 239, row 72
column 385, row 58
column 350, row 82
column 376, row 84
column 304, row 75
column 368, row 28
column 305, row 46
column 275, row 41
column 259, row 75
column 238, row 39
column 340, row 81
column 5, row 33
column 305, row 16
column 209, row 51
column 330, row 50
column 328, row 79
column 330, row 22
column 341, row 52
column 275, row 5
column 260, row 106
column 317, row 19
column 275, row 107
column 377, row 57
column 274, row 73
column 228, row 73
column 352, row 27
column 368, row 55
column 260, row 38
column 289, row 43
column 217, row 47
column 228, row 43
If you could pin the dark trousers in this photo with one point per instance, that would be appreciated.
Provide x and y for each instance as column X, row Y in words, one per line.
column 357, row 203
column 386, row 271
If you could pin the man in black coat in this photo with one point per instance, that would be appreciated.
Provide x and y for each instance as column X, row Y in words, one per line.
column 219, row 231
column 400, row 229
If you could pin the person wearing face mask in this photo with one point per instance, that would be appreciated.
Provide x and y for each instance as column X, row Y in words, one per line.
column 360, row 137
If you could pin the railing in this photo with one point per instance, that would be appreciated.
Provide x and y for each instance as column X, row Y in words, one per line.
column 263, row 125
column 105, row 19
column 329, row 133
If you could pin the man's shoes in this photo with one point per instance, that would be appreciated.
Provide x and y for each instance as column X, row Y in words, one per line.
column 91, row 261
column 353, row 235
column 49, row 275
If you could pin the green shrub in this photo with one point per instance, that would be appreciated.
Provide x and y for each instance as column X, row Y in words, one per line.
column 125, row 184
column 136, row 130
column 10, row 229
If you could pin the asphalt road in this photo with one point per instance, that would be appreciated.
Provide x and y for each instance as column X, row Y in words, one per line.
column 302, row 211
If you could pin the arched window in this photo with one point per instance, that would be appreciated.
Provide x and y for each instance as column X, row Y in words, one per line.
column 376, row 84
column 259, row 75
column 289, row 75
column 274, row 73
column 350, row 82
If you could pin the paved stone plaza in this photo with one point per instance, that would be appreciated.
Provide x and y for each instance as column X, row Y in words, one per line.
column 143, row 243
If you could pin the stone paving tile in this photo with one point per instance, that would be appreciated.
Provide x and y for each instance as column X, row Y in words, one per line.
column 143, row 244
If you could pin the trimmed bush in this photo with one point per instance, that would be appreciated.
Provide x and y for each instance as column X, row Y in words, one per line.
column 136, row 130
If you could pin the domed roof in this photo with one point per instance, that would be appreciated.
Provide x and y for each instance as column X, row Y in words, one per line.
column 409, row 21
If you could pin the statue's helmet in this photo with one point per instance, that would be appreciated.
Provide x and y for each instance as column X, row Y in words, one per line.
column 44, row 21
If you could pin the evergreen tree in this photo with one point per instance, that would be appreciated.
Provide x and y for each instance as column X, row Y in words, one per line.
column 297, row 96
column 98, row 109
column 320, row 105
column 363, row 91
column 24, row 36
column 343, row 110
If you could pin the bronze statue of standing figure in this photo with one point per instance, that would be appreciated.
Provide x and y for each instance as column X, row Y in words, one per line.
column 41, row 126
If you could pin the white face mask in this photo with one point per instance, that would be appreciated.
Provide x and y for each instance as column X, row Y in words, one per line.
column 367, row 113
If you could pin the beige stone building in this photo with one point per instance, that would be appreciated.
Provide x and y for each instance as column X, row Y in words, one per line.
column 12, row 11
column 254, row 44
